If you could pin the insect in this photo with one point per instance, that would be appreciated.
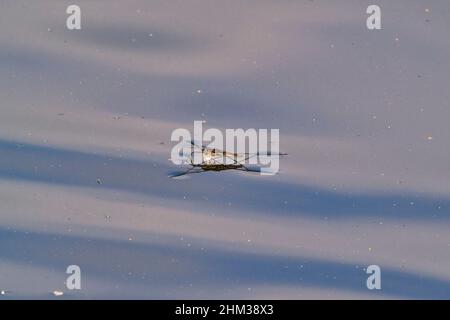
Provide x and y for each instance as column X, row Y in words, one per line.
column 213, row 159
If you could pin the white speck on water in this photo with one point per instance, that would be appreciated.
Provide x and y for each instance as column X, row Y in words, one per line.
column 57, row 293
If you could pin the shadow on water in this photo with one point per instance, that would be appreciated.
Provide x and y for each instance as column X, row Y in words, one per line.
column 154, row 264
column 72, row 168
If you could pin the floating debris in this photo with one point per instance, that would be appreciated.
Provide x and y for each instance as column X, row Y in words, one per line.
column 99, row 181
column 57, row 293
